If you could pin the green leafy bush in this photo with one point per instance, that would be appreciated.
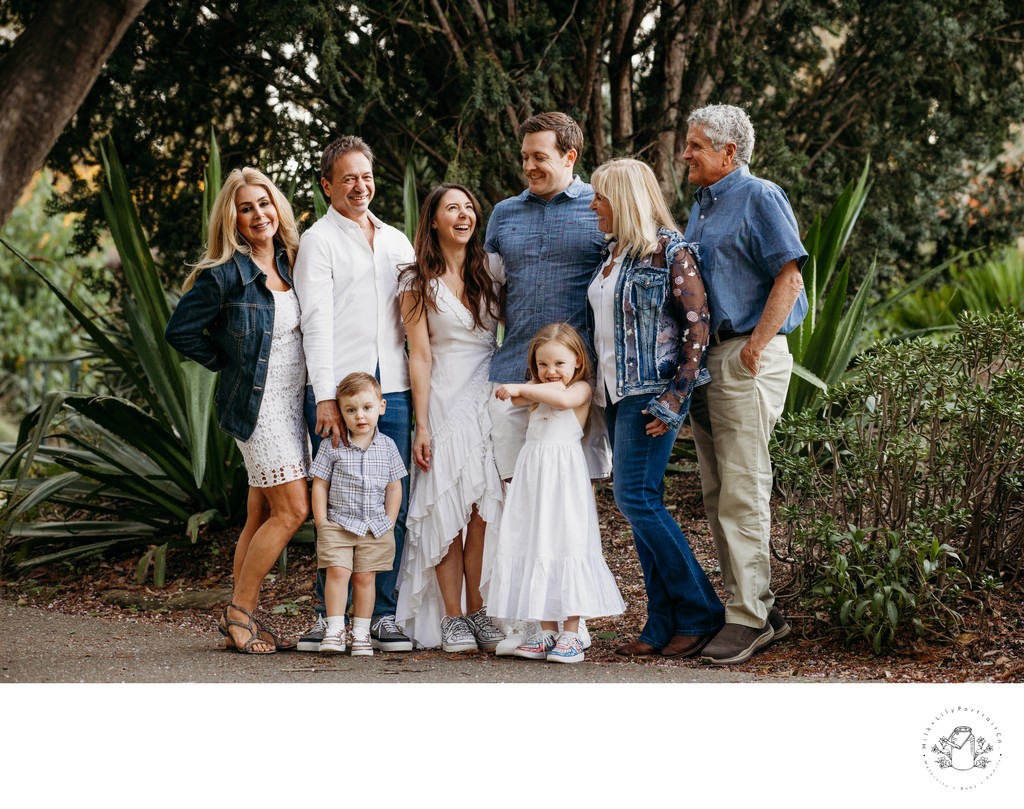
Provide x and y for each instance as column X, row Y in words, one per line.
column 907, row 488
column 35, row 325
column 148, row 467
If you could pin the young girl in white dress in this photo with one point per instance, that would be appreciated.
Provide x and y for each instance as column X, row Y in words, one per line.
column 548, row 564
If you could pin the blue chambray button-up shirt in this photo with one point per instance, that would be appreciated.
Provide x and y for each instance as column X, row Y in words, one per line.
column 550, row 249
column 746, row 233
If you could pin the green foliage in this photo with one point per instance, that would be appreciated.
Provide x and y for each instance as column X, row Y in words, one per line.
column 148, row 468
column 927, row 88
column 925, row 444
column 823, row 344
column 35, row 325
column 991, row 282
column 883, row 585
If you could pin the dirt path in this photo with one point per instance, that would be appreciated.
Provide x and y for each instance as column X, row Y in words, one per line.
column 48, row 647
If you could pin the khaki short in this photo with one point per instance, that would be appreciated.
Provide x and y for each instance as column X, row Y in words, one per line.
column 508, row 433
column 338, row 547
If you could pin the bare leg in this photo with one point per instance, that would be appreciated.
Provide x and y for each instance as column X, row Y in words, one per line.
column 336, row 590
column 257, row 512
column 363, row 594
column 549, row 626
column 571, row 624
column 473, row 561
column 450, row 573
column 289, row 508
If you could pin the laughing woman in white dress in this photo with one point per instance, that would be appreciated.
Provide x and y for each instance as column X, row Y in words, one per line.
column 239, row 315
column 450, row 306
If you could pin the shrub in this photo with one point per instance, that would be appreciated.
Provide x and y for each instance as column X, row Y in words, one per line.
column 906, row 489
column 146, row 467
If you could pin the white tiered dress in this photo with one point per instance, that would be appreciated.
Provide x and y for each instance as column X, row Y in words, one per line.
column 548, row 564
column 278, row 449
column 462, row 471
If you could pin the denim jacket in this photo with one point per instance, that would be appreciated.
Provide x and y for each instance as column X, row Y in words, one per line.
column 662, row 328
column 225, row 322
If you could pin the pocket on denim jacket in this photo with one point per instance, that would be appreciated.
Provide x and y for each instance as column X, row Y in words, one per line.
column 647, row 292
column 240, row 319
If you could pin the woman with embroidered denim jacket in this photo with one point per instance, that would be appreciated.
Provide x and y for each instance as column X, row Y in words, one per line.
column 240, row 316
column 651, row 330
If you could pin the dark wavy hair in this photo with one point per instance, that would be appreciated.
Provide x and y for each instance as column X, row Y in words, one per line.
column 430, row 263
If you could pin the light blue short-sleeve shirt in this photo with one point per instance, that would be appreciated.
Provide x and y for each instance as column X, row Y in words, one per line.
column 550, row 250
column 746, row 233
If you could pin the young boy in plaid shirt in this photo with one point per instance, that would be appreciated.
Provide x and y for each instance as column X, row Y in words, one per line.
column 357, row 492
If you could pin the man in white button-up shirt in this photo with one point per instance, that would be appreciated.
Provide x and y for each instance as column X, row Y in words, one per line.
column 346, row 277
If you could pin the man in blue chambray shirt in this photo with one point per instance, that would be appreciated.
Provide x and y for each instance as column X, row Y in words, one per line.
column 550, row 248
column 750, row 259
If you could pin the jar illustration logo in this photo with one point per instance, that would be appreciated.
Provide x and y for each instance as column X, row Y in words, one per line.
column 961, row 750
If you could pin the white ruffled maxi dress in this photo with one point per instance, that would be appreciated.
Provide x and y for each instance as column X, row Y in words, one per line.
column 462, row 471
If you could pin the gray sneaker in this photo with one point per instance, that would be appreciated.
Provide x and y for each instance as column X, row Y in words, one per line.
column 310, row 642
column 456, row 635
column 780, row 626
column 388, row 636
column 736, row 643
column 487, row 635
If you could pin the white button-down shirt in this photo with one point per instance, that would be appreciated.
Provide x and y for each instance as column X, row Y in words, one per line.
column 348, row 294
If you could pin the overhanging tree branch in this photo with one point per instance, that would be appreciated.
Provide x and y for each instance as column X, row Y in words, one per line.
column 45, row 77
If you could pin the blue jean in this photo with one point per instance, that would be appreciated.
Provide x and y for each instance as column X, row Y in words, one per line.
column 396, row 424
column 680, row 599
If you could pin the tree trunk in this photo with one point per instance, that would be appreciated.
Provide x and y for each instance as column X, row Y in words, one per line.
column 625, row 21
column 677, row 34
column 46, row 76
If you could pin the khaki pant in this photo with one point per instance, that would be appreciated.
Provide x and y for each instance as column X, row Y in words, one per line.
column 732, row 419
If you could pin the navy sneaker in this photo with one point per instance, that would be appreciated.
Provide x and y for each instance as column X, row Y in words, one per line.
column 388, row 636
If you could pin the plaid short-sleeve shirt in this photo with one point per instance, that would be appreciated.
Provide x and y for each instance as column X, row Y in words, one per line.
column 358, row 478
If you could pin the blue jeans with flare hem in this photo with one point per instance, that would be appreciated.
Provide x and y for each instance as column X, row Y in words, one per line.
column 680, row 599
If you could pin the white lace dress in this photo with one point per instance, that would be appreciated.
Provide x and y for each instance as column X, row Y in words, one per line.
column 278, row 449
column 547, row 563
column 462, row 471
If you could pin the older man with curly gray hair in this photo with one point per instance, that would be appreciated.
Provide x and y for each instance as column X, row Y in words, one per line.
column 750, row 256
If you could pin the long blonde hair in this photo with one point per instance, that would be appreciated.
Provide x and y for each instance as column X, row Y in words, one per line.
column 638, row 206
column 567, row 336
column 224, row 239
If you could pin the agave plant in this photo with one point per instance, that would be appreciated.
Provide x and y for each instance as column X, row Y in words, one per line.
column 149, row 468
column 834, row 331
column 993, row 282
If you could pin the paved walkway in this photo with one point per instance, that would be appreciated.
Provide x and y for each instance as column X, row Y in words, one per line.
column 39, row 646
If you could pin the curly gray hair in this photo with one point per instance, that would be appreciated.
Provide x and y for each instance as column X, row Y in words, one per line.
column 722, row 124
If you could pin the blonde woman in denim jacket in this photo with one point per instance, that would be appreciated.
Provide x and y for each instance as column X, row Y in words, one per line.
column 651, row 329
column 239, row 315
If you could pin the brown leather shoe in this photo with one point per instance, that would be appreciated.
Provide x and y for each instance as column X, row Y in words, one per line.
column 685, row 645
column 636, row 648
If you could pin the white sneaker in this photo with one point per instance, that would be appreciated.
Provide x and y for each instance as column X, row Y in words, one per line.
column 361, row 647
column 568, row 649
column 519, row 632
column 333, row 643
column 584, row 634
